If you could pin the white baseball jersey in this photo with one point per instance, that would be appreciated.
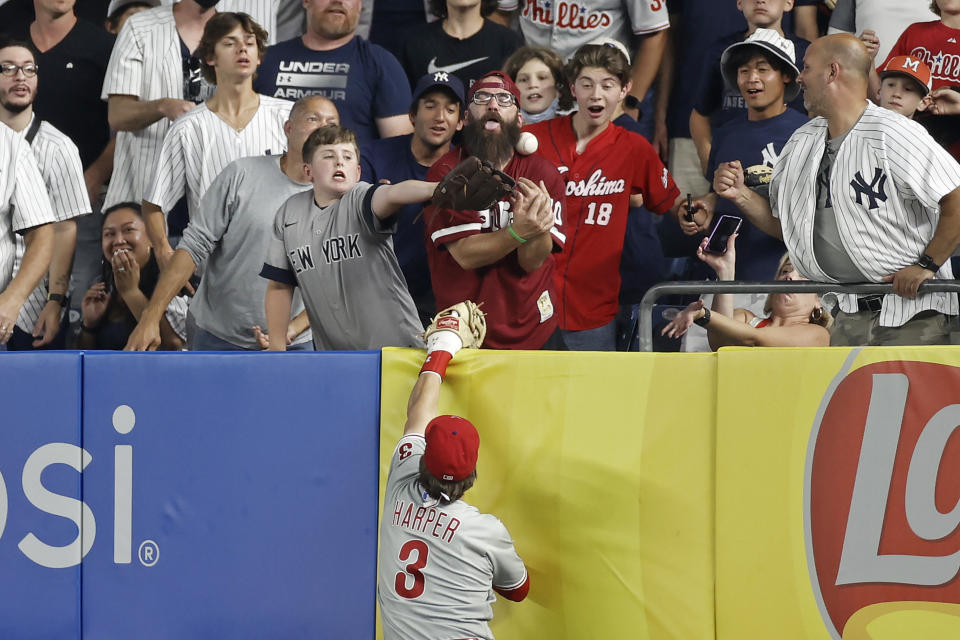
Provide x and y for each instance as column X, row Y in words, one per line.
column 438, row 564
column 146, row 62
column 200, row 144
column 565, row 25
column 887, row 181
column 264, row 12
column 24, row 203
column 59, row 162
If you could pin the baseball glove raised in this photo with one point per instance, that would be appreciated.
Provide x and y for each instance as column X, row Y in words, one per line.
column 472, row 185
column 465, row 319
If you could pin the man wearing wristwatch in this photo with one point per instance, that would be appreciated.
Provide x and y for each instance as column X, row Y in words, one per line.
column 42, row 323
column 862, row 194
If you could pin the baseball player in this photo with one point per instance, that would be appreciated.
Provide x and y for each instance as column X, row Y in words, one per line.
column 861, row 193
column 59, row 162
column 229, row 234
column 502, row 257
column 25, row 210
column 440, row 559
column 334, row 242
column 603, row 165
column 234, row 123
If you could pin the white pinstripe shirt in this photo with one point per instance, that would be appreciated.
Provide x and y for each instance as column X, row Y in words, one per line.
column 887, row 181
column 263, row 11
column 23, row 198
column 146, row 62
column 59, row 162
column 200, row 144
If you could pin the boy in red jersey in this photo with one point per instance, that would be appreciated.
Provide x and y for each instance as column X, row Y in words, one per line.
column 603, row 164
column 502, row 257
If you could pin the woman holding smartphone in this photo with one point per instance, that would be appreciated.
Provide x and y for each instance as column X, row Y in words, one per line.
column 793, row 319
column 112, row 306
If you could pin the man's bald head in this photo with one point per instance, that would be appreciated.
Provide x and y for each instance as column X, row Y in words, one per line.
column 847, row 51
column 318, row 104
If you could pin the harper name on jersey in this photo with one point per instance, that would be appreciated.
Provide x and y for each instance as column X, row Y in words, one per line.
column 420, row 518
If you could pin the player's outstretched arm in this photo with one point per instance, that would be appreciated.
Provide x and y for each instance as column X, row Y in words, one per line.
column 146, row 335
column 388, row 198
column 462, row 325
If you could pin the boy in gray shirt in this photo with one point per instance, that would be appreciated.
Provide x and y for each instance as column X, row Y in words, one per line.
column 335, row 243
column 228, row 235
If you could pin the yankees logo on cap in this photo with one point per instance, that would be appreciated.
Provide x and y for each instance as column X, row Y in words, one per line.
column 911, row 67
column 452, row 447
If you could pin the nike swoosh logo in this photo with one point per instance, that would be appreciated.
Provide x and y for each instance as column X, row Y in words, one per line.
column 288, row 224
column 450, row 68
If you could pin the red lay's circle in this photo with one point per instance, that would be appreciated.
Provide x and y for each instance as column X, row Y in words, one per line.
column 882, row 501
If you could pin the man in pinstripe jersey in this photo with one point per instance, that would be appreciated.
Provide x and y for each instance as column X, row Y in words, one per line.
column 235, row 122
column 862, row 194
column 58, row 158
column 24, row 210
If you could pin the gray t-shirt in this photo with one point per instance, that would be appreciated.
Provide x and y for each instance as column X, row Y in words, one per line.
column 438, row 563
column 827, row 247
column 229, row 235
column 341, row 256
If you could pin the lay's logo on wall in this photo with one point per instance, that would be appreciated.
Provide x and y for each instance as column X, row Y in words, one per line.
column 882, row 502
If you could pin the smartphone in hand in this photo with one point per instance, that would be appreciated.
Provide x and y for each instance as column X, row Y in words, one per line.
column 726, row 226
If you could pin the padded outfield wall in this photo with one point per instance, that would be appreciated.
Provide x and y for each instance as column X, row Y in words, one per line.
column 797, row 494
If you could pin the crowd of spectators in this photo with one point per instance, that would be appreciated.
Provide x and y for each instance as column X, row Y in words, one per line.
column 255, row 174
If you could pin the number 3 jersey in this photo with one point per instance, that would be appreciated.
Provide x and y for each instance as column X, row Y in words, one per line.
column 599, row 182
column 438, row 563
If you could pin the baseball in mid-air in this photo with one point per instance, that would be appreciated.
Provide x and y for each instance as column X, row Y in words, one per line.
column 527, row 143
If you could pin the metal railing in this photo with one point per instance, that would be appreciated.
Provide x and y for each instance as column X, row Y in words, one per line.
column 698, row 287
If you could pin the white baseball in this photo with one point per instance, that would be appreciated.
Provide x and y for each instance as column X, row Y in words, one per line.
column 527, row 143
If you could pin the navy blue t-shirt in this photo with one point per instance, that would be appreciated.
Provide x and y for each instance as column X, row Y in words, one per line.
column 723, row 103
column 641, row 263
column 752, row 143
column 391, row 159
column 364, row 80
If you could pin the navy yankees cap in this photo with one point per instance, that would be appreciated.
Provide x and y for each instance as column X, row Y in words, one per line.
column 442, row 80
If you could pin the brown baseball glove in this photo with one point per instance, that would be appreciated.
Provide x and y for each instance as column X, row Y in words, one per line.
column 472, row 185
column 465, row 319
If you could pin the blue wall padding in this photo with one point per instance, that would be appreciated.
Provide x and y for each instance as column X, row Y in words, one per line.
column 40, row 400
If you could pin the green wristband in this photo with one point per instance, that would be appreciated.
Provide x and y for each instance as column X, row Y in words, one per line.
column 515, row 235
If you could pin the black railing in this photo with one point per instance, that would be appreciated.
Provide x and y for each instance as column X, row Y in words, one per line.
column 697, row 287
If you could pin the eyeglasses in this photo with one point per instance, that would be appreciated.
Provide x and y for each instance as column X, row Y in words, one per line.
column 10, row 69
column 503, row 99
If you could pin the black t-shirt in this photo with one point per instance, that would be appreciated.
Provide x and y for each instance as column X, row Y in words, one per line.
column 68, row 93
column 430, row 49
column 15, row 18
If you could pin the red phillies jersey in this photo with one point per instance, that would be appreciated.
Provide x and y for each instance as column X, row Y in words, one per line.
column 599, row 182
column 519, row 305
column 937, row 45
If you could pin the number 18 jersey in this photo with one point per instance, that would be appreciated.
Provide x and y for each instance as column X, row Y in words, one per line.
column 438, row 563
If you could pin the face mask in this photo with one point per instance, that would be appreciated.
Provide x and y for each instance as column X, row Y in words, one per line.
column 207, row 4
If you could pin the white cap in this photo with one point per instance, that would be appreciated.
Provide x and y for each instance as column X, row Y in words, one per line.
column 116, row 5
column 771, row 42
column 612, row 42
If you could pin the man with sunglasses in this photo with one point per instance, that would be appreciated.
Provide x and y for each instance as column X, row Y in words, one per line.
column 501, row 257
column 41, row 323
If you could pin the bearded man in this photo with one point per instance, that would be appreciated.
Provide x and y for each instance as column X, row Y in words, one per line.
column 364, row 80
column 501, row 257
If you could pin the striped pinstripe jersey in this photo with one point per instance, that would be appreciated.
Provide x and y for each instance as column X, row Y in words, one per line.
column 59, row 162
column 23, row 198
column 264, row 12
column 887, row 181
column 146, row 62
column 200, row 144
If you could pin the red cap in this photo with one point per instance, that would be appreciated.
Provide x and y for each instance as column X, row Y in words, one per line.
column 452, row 446
column 494, row 80
column 909, row 66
